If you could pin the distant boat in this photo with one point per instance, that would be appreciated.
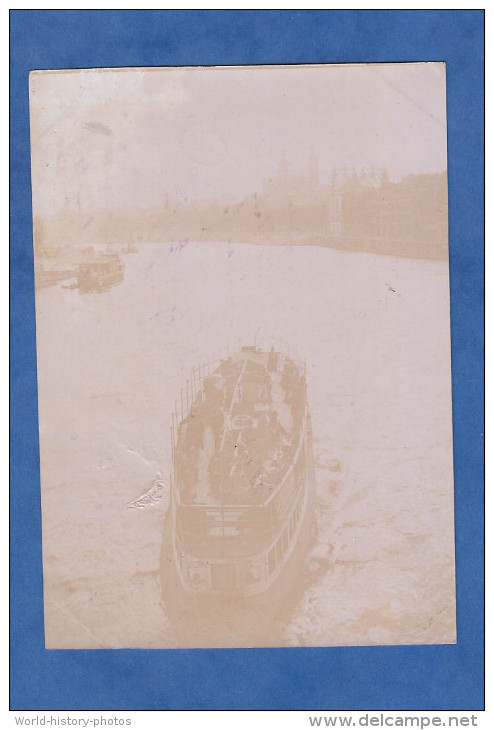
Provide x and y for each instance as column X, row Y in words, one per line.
column 241, row 486
column 101, row 272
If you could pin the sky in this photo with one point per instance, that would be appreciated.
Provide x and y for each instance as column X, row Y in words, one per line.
column 139, row 137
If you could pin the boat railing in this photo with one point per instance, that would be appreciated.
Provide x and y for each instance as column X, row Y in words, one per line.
column 189, row 394
column 291, row 468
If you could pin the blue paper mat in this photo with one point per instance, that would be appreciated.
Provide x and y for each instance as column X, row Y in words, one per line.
column 377, row 678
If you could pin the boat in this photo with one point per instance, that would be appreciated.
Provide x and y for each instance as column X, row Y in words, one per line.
column 239, row 518
column 100, row 272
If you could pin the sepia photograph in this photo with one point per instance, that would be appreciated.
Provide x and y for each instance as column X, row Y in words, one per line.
column 243, row 356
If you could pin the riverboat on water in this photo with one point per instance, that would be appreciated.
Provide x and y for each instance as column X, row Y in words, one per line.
column 241, row 490
column 100, row 272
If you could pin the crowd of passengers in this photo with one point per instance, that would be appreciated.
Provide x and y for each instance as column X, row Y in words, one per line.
column 235, row 422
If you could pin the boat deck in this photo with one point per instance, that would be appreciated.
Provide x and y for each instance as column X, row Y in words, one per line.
column 242, row 431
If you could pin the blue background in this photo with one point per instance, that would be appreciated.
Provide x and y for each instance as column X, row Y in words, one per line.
column 371, row 678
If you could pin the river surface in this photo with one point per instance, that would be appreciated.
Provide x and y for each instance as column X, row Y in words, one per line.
column 374, row 332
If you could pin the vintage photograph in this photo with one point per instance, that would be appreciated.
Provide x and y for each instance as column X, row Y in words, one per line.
column 243, row 352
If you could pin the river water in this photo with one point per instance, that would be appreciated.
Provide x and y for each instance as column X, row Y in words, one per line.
column 374, row 332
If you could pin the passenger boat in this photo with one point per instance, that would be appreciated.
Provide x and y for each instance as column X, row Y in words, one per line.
column 238, row 520
column 100, row 272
